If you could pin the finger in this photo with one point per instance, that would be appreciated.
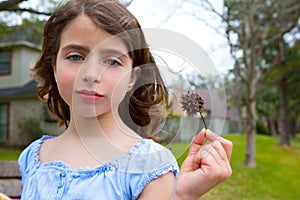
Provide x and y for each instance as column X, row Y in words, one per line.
column 211, row 159
column 197, row 142
column 215, row 150
column 211, row 136
column 200, row 138
column 219, row 157
column 220, row 151
column 227, row 144
column 203, row 154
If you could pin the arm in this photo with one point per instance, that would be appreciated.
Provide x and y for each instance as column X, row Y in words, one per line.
column 159, row 188
column 205, row 166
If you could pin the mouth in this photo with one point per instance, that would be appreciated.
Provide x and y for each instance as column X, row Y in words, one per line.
column 89, row 95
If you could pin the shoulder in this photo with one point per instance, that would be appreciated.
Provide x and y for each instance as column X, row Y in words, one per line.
column 149, row 161
column 29, row 158
column 150, row 156
column 147, row 146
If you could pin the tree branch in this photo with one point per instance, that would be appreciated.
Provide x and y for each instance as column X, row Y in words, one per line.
column 4, row 5
column 17, row 9
column 13, row 6
column 280, row 48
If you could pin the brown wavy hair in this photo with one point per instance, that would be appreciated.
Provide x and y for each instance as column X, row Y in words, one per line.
column 114, row 18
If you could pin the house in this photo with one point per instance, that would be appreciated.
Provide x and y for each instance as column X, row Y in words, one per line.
column 219, row 116
column 18, row 99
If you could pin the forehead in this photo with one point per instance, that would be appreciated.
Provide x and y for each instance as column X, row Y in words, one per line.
column 83, row 31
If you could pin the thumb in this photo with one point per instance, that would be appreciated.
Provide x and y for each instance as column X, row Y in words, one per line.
column 197, row 142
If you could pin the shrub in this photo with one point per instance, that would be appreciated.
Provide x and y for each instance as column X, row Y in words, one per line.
column 261, row 129
column 30, row 128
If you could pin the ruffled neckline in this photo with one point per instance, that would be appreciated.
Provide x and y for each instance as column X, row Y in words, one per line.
column 135, row 149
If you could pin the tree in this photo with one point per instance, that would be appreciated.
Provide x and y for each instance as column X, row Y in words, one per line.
column 268, row 106
column 235, row 93
column 286, row 77
column 197, row 81
column 27, row 17
column 22, row 19
column 250, row 28
column 14, row 6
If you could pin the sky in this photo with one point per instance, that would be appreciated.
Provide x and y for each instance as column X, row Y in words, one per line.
column 177, row 16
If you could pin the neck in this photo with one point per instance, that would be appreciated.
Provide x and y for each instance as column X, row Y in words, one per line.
column 106, row 125
column 103, row 132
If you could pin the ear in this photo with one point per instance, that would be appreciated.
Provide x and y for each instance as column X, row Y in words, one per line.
column 135, row 73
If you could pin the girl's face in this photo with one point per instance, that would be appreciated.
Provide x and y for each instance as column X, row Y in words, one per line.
column 93, row 69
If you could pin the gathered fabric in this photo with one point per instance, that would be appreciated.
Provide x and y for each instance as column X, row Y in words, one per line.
column 122, row 178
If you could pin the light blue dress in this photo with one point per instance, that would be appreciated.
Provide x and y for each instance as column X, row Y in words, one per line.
column 123, row 178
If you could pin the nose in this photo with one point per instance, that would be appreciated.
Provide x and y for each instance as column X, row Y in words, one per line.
column 90, row 78
column 91, row 71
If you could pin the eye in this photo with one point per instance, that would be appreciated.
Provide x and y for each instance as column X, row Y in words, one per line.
column 112, row 62
column 75, row 58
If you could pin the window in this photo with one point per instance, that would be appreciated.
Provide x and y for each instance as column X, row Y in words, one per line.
column 5, row 62
column 4, row 117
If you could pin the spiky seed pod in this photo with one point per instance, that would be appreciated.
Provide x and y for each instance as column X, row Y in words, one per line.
column 193, row 103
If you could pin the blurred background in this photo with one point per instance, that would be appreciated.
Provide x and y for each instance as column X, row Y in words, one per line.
column 253, row 98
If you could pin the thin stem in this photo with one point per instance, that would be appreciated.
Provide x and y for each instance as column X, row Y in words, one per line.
column 203, row 120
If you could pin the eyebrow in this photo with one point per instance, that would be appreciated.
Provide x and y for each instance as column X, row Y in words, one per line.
column 76, row 47
column 104, row 51
column 109, row 51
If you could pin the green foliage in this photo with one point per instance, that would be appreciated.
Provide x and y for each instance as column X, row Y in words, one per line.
column 30, row 127
column 26, row 21
column 275, row 177
column 268, row 102
column 268, row 98
column 171, row 115
column 261, row 129
column 14, row 13
column 30, row 30
column 197, row 81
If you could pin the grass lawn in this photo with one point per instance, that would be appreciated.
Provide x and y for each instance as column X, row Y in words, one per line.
column 277, row 175
column 9, row 154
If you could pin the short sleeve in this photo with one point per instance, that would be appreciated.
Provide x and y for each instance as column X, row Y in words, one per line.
column 151, row 162
column 28, row 159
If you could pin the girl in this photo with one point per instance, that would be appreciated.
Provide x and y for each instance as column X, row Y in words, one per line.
column 100, row 80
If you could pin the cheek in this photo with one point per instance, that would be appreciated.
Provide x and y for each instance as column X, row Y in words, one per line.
column 120, row 88
column 65, row 82
column 65, row 92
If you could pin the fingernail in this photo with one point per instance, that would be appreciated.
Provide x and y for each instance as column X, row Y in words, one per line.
column 209, row 131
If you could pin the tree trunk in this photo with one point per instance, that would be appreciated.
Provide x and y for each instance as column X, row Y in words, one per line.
column 273, row 127
column 238, row 96
column 284, row 127
column 293, row 127
column 251, row 125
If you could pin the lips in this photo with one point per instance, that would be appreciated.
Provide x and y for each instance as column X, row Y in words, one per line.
column 89, row 95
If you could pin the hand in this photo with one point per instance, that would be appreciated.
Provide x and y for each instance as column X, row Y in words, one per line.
column 205, row 166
